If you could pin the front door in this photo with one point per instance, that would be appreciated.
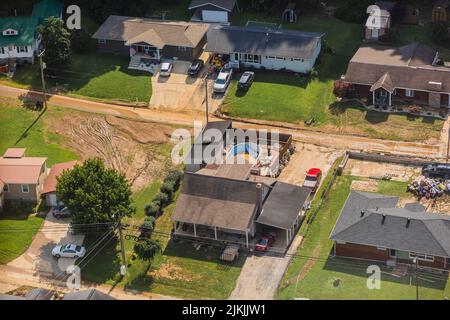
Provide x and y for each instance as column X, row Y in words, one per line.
column 375, row 34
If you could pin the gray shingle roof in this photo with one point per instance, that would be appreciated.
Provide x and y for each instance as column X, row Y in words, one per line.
column 262, row 41
column 384, row 225
column 90, row 294
column 228, row 5
column 283, row 205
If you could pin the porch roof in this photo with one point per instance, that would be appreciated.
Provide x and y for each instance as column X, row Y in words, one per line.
column 384, row 82
column 150, row 37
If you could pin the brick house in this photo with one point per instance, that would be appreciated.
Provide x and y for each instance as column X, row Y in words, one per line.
column 371, row 227
column 407, row 75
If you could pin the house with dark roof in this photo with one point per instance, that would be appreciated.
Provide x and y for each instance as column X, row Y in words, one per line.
column 147, row 40
column 265, row 47
column 371, row 226
column 213, row 11
column 399, row 76
column 19, row 39
column 218, row 208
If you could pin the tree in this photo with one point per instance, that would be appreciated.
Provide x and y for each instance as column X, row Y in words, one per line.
column 56, row 41
column 153, row 209
column 95, row 194
column 146, row 249
column 148, row 226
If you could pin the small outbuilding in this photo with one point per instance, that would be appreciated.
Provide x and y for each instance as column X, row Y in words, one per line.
column 441, row 11
column 49, row 191
column 215, row 11
column 290, row 14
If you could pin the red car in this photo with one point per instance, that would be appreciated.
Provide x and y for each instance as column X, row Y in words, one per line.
column 312, row 179
column 265, row 242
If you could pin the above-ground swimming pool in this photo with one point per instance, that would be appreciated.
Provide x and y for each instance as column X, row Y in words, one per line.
column 250, row 151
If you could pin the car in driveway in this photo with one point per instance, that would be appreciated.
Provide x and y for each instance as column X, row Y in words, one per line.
column 195, row 67
column 223, row 80
column 437, row 170
column 246, row 80
column 61, row 212
column 166, row 69
column 69, row 251
column 265, row 242
column 312, row 179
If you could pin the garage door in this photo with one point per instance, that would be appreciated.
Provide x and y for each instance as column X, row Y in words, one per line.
column 52, row 199
column 214, row 16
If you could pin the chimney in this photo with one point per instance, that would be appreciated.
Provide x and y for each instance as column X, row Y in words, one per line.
column 362, row 213
column 259, row 195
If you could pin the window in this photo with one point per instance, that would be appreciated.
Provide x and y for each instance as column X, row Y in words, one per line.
column 421, row 257
column 183, row 49
column 409, row 93
column 101, row 41
column 2, row 50
column 383, row 93
column 392, row 253
column 6, row 188
column 236, row 56
column 250, row 58
column 25, row 188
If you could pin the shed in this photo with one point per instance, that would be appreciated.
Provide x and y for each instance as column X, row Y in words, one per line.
column 441, row 11
column 290, row 14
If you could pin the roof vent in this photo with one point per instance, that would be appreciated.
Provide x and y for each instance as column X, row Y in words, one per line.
column 362, row 213
column 383, row 218
column 408, row 222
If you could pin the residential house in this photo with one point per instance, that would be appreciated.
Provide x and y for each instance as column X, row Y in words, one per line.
column 19, row 39
column 89, row 294
column 265, row 48
column 150, row 40
column 441, row 11
column 214, row 11
column 372, row 227
column 22, row 177
column 49, row 190
column 217, row 208
column 403, row 76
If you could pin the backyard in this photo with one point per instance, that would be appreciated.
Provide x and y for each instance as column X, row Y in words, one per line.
column 287, row 97
column 315, row 274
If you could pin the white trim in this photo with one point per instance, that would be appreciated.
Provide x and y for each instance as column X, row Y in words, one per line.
column 209, row 3
column 409, row 93
column 28, row 188
column 421, row 257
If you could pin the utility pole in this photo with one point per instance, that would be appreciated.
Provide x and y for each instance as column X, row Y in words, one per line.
column 416, row 262
column 206, row 97
column 123, row 267
column 42, row 67
column 448, row 145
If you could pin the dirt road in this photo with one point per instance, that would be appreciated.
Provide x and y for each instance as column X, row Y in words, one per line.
column 187, row 117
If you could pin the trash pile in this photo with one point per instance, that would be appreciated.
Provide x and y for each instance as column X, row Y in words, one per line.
column 429, row 188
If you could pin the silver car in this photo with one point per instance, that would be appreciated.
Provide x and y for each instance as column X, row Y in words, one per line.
column 222, row 80
column 166, row 69
column 69, row 251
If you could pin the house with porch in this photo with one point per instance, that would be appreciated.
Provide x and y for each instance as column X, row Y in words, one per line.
column 402, row 78
column 264, row 47
column 373, row 227
column 148, row 41
column 212, row 11
column 22, row 177
column 220, row 209
column 19, row 39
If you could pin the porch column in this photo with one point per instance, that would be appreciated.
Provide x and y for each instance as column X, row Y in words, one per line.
column 449, row 100
column 195, row 231
column 373, row 97
column 390, row 99
column 215, row 232
column 287, row 237
column 158, row 55
column 246, row 238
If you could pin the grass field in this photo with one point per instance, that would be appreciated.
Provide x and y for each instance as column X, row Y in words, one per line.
column 37, row 139
column 286, row 97
column 314, row 275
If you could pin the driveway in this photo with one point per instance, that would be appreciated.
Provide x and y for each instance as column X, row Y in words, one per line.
column 181, row 92
column 38, row 258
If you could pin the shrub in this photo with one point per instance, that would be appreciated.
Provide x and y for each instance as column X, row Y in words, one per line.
column 327, row 47
column 153, row 209
column 174, row 176
column 146, row 249
column 440, row 33
column 162, row 199
column 168, row 188
column 148, row 226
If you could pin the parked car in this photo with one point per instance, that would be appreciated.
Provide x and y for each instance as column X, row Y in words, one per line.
column 312, row 179
column 69, row 251
column 195, row 67
column 223, row 80
column 265, row 242
column 437, row 170
column 61, row 212
column 166, row 69
column 246, row 80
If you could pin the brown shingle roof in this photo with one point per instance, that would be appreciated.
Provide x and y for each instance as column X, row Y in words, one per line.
column 408, row 67
column 384, row 82
column 173, row 33
column 55, row 171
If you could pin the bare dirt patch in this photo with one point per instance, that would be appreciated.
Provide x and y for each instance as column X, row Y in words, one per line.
column 378, row 169
column 173, row 272
column 368, row 185
column 136, row 149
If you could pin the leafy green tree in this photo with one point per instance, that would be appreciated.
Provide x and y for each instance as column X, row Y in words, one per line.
column 56, row 41
column 148, row 226
column 146, row 249
column 95, row 194
column 153, row 209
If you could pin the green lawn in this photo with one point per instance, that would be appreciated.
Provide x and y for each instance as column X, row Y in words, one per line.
column 287, row 97
column 180, row 270
column 14, row 122
column 17, row 230
column 315, row 278
column 94, row 75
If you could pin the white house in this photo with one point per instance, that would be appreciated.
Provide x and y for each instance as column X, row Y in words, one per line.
column 266, row 48
column 214, row 11
column 19, row 39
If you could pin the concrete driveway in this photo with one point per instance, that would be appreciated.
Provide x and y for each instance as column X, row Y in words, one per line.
column 38, row 258
column 181, row 92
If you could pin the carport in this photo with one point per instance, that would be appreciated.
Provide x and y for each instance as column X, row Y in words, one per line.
column 283, row 209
